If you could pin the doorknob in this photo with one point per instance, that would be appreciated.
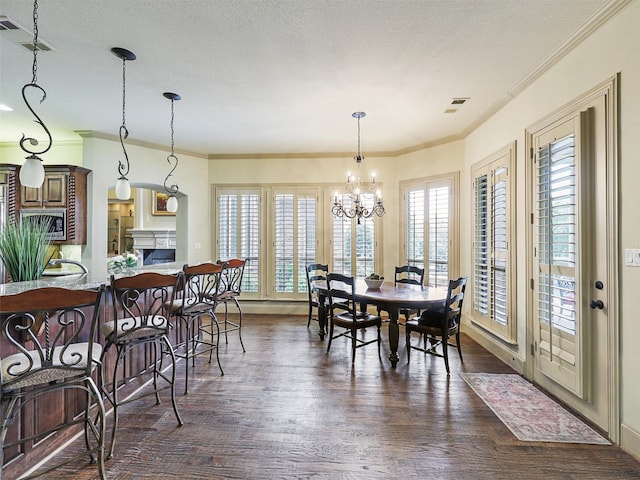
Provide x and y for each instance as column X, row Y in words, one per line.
column 596, row 304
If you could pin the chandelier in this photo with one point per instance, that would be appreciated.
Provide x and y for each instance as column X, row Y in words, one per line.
column 172, row 190
column 32, row 171
column 355, row 190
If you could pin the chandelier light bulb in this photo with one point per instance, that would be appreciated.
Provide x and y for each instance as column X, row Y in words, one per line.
column 123, row 189
column 32, row 173
column 172, row 204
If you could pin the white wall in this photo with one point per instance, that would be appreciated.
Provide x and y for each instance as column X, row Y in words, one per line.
column 613, row 48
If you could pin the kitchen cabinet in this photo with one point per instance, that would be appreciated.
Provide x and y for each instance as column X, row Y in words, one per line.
column 120, row 223
column 65, row 186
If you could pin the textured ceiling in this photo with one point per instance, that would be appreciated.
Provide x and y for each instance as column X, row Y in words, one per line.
column 271, row 76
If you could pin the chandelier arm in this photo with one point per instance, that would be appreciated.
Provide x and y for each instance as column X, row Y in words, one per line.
column 30, row 140
column 172, row 189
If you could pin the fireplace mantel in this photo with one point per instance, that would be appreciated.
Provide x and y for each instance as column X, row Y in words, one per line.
column 153, row 238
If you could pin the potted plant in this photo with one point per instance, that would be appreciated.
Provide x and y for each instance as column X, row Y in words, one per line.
column 24, row 247
column 374, row 281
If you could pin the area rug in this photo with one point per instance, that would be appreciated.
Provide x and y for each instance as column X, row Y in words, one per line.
column 530, row 414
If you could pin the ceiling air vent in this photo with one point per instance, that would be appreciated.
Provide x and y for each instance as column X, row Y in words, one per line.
column 20, row 35
column 451, row 110
column 459, row 101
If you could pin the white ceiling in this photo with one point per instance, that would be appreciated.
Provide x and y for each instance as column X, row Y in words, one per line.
column 271, row 76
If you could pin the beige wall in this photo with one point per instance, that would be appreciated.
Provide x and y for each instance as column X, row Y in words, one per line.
column 613, row 48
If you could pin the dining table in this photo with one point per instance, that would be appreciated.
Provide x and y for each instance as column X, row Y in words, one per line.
column 391, row 298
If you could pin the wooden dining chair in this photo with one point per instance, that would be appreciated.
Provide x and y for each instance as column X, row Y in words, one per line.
column 439, row 323
column 344, row 312
column 315, row 272
column 140, row 328
column 50, row 347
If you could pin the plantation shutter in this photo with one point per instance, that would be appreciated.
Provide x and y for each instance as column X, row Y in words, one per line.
column 556, row 225
column 438, row 252
column 415, row 227
column 492, row 257
column 294, row 243
column 238, row 226
column 353, row 246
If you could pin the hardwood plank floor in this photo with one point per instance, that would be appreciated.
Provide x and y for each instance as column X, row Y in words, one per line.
column 287, row 409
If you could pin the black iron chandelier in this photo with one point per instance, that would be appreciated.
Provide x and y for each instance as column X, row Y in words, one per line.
column 172, row 190
column 355, row 190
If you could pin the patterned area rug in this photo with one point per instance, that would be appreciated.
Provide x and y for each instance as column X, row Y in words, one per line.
column 530, row 414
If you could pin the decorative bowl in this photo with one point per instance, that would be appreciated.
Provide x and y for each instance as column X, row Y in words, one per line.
column 373, row 284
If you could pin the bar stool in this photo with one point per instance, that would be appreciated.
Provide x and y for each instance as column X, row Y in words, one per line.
column 52, row 331
column 140, row 321
column 230, row 289
column 198, row 298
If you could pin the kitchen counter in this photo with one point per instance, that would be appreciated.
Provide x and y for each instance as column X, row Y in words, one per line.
column 82, row 280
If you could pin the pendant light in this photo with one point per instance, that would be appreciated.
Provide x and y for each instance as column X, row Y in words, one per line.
column 123, row 189
column 32, row 171
column 172, row 190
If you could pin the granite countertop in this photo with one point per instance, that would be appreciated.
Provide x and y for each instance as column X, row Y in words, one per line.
column 84, row 280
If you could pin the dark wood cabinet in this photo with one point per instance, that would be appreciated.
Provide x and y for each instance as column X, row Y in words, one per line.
column 65, row 186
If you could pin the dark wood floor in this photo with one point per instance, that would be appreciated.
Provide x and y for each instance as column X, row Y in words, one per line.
column 287, row 409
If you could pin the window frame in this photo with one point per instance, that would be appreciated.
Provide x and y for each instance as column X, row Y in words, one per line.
column 452, row 180
column 503, row 158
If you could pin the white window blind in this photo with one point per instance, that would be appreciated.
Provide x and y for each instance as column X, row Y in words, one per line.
column 429, row 220
column 353, row 244
column 492, row 258
column 294, row 240
column 238, row 225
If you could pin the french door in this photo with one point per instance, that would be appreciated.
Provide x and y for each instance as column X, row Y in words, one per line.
column 572, row 260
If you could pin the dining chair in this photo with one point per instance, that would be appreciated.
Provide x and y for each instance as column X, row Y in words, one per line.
column 344, row 312
column 412, row 275
column 230, row 290
column 197, row 298
column 315, row 272
column 51, row 332
column 439, row 323
column 139, row 331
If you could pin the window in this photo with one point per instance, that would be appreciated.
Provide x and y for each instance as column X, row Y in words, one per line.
column 238, row 232
column 283, row 228
column 354, row 243
column 294, row 238
column 430, row 227
column 492, row 258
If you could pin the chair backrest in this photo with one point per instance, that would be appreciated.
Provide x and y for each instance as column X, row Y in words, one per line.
column 141, row 302
column 201, row 287
column 453, row 303
column 341, row 292
column 315, row 272
column 409, row 274
column 231, row 280
column 42, row 325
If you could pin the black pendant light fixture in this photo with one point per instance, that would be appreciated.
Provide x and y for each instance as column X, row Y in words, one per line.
column 123, row 189
column 172, row 190
column 32, row 171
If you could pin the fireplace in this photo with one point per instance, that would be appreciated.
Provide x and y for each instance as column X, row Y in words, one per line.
column 154, row 246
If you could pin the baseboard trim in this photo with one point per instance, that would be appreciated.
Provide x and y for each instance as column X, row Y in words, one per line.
column 630, row 441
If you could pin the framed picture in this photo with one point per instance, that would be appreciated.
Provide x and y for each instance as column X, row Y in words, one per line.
column 159, row 203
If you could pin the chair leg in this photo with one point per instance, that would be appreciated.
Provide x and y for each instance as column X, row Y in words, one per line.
column 214, row 320
column 173, row 379
column 98, row 433
column 310, row 313
column 354, row 342
column 458, row 345
column 407, row 337
column 113, row 399
column 239, row 323
column 445, row 352
column 330, row 335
